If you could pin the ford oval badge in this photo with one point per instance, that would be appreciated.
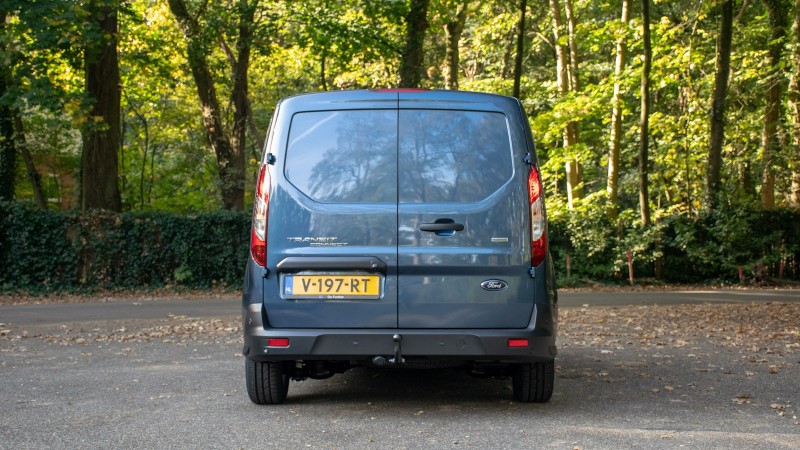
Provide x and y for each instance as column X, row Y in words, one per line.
column 494, row 285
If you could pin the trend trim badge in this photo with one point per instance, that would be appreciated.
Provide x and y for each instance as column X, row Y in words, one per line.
column 318, row 241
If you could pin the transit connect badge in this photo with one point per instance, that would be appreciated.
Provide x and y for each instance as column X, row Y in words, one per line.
column 494, row 285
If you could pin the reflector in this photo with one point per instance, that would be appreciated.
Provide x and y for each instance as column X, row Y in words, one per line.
column 517, row 342
column 278, row 342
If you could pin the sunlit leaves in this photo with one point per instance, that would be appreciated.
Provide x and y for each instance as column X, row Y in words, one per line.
column 301, row 46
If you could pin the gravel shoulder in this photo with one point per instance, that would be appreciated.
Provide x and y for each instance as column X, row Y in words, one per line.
column 166, row 294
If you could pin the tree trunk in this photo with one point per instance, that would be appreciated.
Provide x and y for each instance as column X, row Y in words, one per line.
column 142, row 172
column 572, row 169
column 616, row 115
column 452, row 32
column 509, row 50
column 33, row 174
column 101, row 133
column 794, row 109
column 523, row 9
column 8, row 153
column 12, row 137
column 228, row 150
column 574, row 84
column 719, row 100
column 414, row 52
column 777, row 12
column 794, row 196
column 644, row 121
column 323, row 82
column 240, row 100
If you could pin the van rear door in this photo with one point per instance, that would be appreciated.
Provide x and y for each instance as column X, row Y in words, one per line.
column 332, row 231
column 463, row 239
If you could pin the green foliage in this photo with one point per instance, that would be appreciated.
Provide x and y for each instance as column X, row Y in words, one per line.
column 164, row 161
column 711, row 247
column 167, row 165
column 715, row 245
column 37, row 250
column 587, row 235
column 55, row 146
column 318, row 44
column 46, row 251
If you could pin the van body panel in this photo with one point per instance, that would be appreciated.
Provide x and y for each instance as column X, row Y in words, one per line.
column 431, row 186
column 467, row 170
column 326, row 145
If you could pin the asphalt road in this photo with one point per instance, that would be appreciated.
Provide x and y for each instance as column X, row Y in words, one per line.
column 75, row 380
column 60, row 313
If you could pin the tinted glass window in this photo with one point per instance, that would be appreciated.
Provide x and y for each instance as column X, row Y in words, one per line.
column 452, row 156
column 344, row 156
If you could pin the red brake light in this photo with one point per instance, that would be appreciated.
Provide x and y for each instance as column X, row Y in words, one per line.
column 258, row 234
column 538, row 221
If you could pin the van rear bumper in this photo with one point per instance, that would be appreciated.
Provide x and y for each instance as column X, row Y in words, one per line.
column 480, row 345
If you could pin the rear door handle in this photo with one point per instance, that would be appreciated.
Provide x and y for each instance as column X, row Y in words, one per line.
column 441, row 226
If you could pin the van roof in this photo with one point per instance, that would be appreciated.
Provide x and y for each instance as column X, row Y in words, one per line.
column 420, row 97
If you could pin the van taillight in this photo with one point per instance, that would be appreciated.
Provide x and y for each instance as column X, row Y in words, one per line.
column 258, row 235
column 538, row 222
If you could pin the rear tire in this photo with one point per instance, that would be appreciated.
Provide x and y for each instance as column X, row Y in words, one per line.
column 533, row 382
column 267, row 382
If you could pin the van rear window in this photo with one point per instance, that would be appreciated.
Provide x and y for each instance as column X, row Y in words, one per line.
column 452, row 156
column 345, row 156
column 431, row 156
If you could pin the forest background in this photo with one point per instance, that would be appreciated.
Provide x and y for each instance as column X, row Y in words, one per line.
column 131, row 130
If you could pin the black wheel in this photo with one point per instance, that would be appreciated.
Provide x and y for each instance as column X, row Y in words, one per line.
column 533, row 382
column 267, row 382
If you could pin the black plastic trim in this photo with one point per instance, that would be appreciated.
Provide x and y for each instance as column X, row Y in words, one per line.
column 297, row 263
column 359, row 344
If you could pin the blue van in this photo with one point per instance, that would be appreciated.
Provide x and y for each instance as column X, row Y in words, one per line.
column 399, row 228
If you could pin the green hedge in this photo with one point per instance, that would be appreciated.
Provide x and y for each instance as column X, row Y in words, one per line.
column 44, row 251
column 687, row 250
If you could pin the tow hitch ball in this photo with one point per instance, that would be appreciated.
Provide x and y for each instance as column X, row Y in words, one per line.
column 398, row 357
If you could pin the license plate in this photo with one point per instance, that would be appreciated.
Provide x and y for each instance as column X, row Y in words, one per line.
column 333, row 286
